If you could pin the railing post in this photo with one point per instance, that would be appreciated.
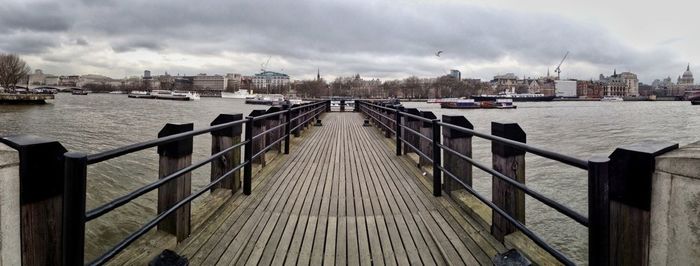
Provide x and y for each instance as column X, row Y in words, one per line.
column 426, row 129
column 398, row 130
column 342, row 105
column 221, row 140
column 387, row 122
column 173, row 157
column 462, row 143
column 271, row 122
column 75, row 179
column 37, row 219
column 287, row 127
column 409, row 137
column 437, row 158
column 247, row 157
column 510, row 162
column 259, row 143
column 598, row 211
column 295, row 115
column 631, row 170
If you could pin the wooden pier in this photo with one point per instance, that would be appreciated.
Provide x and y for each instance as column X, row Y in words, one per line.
column 302, row 185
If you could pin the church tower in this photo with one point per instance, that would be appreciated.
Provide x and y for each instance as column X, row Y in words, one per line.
column 318, row 74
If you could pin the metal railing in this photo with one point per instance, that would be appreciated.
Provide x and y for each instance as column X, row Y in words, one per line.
column 75, row 177
column 382, row 115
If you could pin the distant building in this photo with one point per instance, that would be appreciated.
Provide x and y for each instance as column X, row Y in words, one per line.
column 590, row 89
column 623, row 84
column 233, row 81
column 565, row 88
column 38, row 78
column 687, row 78
column 147, row 74
column 68, row 81
column 269, row 79
column 51, row 80
column 205, row 82
column 456, row 74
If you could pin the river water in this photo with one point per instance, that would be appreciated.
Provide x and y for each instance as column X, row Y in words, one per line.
column 99, row 122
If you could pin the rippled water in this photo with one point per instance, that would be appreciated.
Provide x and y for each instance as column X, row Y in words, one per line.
column 579, row 129
column 100, row 122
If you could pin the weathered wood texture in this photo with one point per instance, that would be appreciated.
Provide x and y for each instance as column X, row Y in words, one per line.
column 511, row 163
column 426, row 129
column 461, row 143
column 220, row 141
column 342, row 197
column 259, row 143
column 173, row 157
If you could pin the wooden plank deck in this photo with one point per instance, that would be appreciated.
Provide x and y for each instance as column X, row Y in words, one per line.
column 340, row 197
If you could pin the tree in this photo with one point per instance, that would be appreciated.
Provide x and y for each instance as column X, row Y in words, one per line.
column 12, row 70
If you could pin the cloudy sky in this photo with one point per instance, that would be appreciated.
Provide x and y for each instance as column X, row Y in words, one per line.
column 383, row 39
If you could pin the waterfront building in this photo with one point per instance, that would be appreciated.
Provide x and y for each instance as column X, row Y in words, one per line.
column 590, row 89
column 267, row 79
column 565, row 88
column 51, row 80
column 206, row 82
column 623, row 84
column 687, row 78
column 68, row 81
column 456, row 74
column 233, row 81
column 37, row 78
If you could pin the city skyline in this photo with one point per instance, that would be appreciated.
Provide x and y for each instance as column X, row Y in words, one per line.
column 385, row 40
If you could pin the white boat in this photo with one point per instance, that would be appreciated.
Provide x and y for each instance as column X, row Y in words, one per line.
column 267, row 99
column 239, row 94
column 175, row 95
column 140, row 94
column 609, row 98
column 293, row 99
column 116, row 92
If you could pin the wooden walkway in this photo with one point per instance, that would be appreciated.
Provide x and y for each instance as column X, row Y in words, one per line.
column 340, row 197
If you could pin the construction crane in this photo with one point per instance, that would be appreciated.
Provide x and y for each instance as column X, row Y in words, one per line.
column 558, row 69
column 264, row 65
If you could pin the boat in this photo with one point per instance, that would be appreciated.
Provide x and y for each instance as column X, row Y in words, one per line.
column 116, row 92
column 609, row 98
column 460, row 104
column 239, row 94
column 266, row 99
column 174, row 95
column 516, row 97
column 695, row 102
column 141, row 94
column 441, row 100
column 78, row 92
column 294, row 100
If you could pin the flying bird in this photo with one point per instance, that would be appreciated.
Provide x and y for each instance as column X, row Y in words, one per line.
column 438, row 53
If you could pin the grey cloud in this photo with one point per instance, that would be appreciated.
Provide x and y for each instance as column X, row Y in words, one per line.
column 34, row 17
column 345, row 34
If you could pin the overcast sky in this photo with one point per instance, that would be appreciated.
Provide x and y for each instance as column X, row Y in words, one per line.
column 383, row 39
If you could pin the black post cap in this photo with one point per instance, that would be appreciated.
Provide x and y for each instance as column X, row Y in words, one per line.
column 40, row 166
column 177, row 148
column 428, row 115
column 227, row 118
column 631, row 169
column 257, row 112
column 412, row 111
column 457, row 120
column 273, row 109
column 511, row 131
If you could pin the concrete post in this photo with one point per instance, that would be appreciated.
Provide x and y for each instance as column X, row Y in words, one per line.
column 675, row 208
column 10, row 252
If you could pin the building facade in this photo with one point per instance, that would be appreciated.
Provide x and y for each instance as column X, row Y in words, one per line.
column 456, row 74
column 269, row 79
column 206, row 82
column 623, row 84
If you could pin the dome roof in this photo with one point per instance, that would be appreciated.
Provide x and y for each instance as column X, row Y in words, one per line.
column 687, row 73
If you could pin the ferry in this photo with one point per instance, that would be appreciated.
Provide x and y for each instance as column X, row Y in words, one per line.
column 460, row 104
column 239, row 94
column 441, row 100
column 294, row 100
column 77, row 91
column 499, row 104
column 266, row 99
column 609, row 98
column 141, row 94
column 175, row 95
column 516, row 97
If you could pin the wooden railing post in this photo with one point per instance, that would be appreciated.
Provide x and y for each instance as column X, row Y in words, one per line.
column 598, row 211
column 260, row 142
column 462, row 143
column 631, row 170
column 40, row 196
column 410, row 137
column 221, row 140
column 75, row 181
column 426, row 129
column 271, row 122
column 287, row 127
column 510, row 162
column 295, row 114
column 342, row 105
column 387, row 122
column 173, row 157
column 398, row 129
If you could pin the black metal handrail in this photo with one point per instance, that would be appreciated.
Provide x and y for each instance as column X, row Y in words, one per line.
column 76, row 169
column 436, row 161
column 114, row 153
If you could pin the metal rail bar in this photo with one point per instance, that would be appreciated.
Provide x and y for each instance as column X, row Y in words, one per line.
column 263, row 116
column 144, row 229
column 118, row 202
column 417, row 117
column 575, row 162
column 267, row 148
column 382, row 115
column 269, row 130
column 547, row 201
column 379, row 106
column 384, row 125
column 114, row 153
column 417, row 133
column 420, row 153
column 555, row 253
